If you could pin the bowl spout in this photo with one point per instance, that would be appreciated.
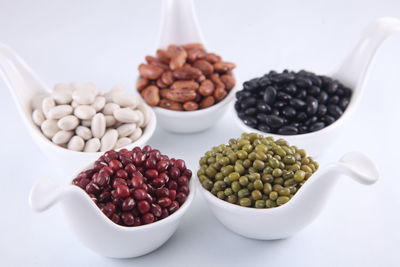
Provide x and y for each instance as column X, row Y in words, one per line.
column 179, row 23
column 354, row 69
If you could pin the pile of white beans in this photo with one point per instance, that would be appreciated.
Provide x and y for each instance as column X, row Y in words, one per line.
column 82, row 118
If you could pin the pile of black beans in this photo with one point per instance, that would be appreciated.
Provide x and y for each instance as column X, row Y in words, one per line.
column 291, row 103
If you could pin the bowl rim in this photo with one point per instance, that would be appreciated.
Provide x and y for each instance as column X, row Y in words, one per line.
column 147, row 134
column 173, row 217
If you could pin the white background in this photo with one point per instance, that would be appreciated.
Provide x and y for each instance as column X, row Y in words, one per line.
column 103, row 42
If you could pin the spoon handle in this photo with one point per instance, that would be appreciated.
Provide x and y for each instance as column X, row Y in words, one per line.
column 44, row 194
column 179, row 23
column 354, row 69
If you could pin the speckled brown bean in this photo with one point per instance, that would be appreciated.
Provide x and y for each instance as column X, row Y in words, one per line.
column 151, row 95
column 217, row 81
column 185, row 85
column 207, row 102
column 168, row 104
column 228, row 80
column 160, row 84
column 141, row 83
column 212, row 58
column 206, row 88
column 193, row 46
column 190, row 105
column 187, row 73
column 180, row 95
column 167, row 78
column 150, row 72
column 163, row 56
column 222, row 67
column 178, row 57
column 195, row 54
column 204, row 66
column 219, row 94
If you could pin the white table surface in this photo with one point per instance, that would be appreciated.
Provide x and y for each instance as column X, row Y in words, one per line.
column 103, row 41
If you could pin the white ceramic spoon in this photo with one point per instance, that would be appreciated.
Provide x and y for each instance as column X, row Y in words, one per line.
column 24, row 84
column 95, row 230
column 353, row 72
column 179, row 26
column 301, row 210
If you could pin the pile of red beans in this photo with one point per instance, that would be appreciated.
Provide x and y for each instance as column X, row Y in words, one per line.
column 136, row 187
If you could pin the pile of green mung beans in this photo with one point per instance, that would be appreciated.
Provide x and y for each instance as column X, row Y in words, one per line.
column 255, row 171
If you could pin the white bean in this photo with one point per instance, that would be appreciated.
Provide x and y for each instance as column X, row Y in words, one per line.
column 74, row 104
column 47, row 104
column 62, row 137
column 83, row 132
column 136, row 134
column 86, row 123
column 62, row 93
column 99, row 103
column 49, row 128
column 126, row 129
column 127, row 115
column 110, row 94
column 76, row 143
column 109, row 108
column 38, row 117
column 125, row 100
column 84, row 112
column 108, row 140
column 68, row 123
column 84, row 96
column 60, row 111
column 92, row 145
column 89, row 86
column 146, row 113
column 110, row 120
column 98, row 125
column 124, row 141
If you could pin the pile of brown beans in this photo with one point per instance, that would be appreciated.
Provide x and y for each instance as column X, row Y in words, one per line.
column 185, row 78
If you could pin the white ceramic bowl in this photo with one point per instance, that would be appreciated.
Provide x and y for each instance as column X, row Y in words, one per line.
column 301, row 210
column 95, row 230
column 24, row 84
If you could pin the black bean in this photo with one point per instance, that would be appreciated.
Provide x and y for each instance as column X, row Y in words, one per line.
column 340, row 92
column 237, row 106
column 262, row 118
column 331, row 88
column 314, row 90
column 316, row 81
column 288, row 130
column 327, row 119
column 250, row 111
column 295, row 124
column 312, row 105
column 301, row 94
column 311, row 121
column 317, row 126
column 302, row 116
column 251, row 85
column 248, row 102
column 322, row 109
column 283, row 96
column 323, row 96
column 250, row 121
column 347, row 92
column 303, row 129
column 274, row 121
column 242, row 94
column 264, row 107
column 297, row 103
column 335, row 111
column 275, row 112
column 241, row 115
column 279, row 104
column 269, row 94
column 325, row 80
column 291, row 89
column 289, row 112
column 344, row 102
column 303, row 82
column 333, row 100
column 264, row 82
column 264, row 128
